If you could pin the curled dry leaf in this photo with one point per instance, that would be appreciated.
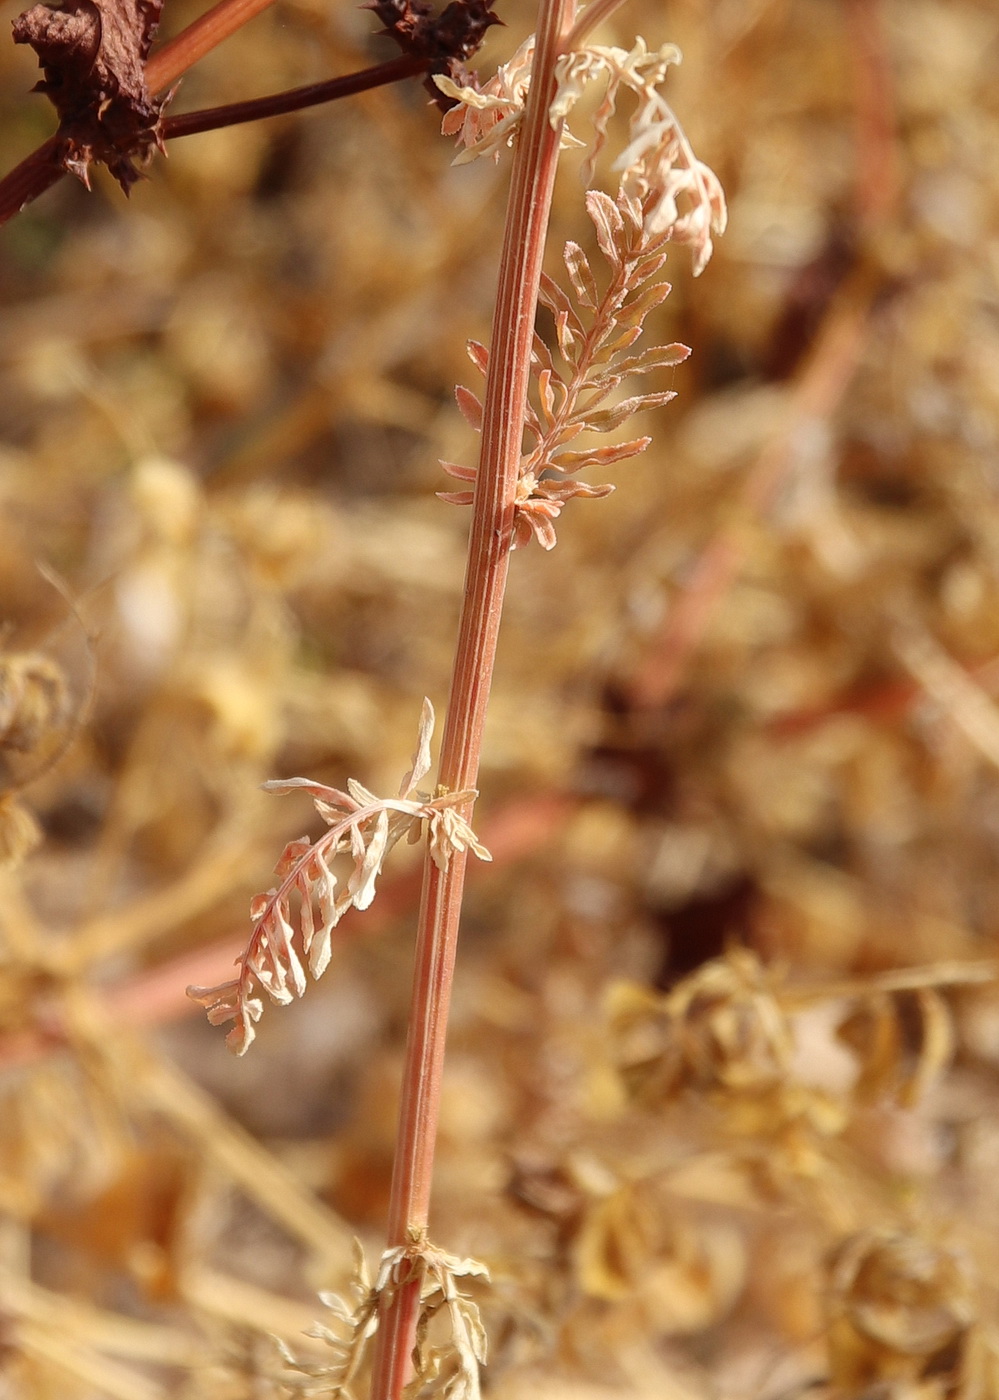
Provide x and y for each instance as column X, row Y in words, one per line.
column 632, row 1247
column 721, row 1029
column 20, row 832
column 362, row 827
column 903, row 1043
column 682, row 196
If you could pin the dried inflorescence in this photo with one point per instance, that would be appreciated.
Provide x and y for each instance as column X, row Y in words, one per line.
column 658, row 168
column 450, row 1366
column 361, row 826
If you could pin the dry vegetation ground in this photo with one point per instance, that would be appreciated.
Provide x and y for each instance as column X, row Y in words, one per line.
column 720, row 1113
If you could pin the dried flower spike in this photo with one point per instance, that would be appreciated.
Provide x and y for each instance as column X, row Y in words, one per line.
column 361, row 826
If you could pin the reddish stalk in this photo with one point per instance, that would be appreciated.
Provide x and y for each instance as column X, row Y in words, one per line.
column 199, row 38
column 532, row 180
column 294, row 100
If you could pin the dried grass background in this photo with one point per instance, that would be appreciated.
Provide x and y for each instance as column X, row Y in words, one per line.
column 720, row 1110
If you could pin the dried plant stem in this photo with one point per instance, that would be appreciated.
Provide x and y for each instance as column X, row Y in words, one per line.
column 595, row 13
column 32, row 177
column 294, row 100
column 485, row 582
column 206, row 33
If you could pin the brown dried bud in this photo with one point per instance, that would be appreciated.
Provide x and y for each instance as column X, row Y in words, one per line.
column 447, row 41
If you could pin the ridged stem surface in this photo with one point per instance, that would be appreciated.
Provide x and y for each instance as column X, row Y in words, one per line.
column 507, row 380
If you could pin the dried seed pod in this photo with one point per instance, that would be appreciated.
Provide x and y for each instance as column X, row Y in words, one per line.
column 721, row 1028
column 33, row 700
column 900, row 1308
column 19, row 832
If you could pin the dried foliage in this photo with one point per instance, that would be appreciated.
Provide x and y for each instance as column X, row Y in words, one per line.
column 720, row 1104
column 93, row 55
column 592, row 338
column 361, row 826
column 658, row 167
column 448, row 1367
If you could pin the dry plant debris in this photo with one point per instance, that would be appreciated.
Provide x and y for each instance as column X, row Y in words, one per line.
column 93, row 56
column 753, row 692
column 361, row 825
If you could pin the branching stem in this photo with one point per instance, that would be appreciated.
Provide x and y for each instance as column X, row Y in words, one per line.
column 532, row 180
column 294, row 100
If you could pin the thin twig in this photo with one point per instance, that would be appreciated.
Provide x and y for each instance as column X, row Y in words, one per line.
column 208, row 31
column 823, row 381
column 294, row 100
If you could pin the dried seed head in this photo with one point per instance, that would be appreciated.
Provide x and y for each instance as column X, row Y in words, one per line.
column 33, row 700
column 19, row 832
column 720, row 1029
column 899, row 1307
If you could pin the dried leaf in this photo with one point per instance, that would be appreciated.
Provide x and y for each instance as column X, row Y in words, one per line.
column 607, row 419
column 580, row 275
column 421, row 758
column 599, row 456
column 93, row 55
column 607, row 223
column 478, row 354
column 470, row 406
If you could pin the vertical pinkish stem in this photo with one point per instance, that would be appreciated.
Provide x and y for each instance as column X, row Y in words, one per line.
column 507, row 382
